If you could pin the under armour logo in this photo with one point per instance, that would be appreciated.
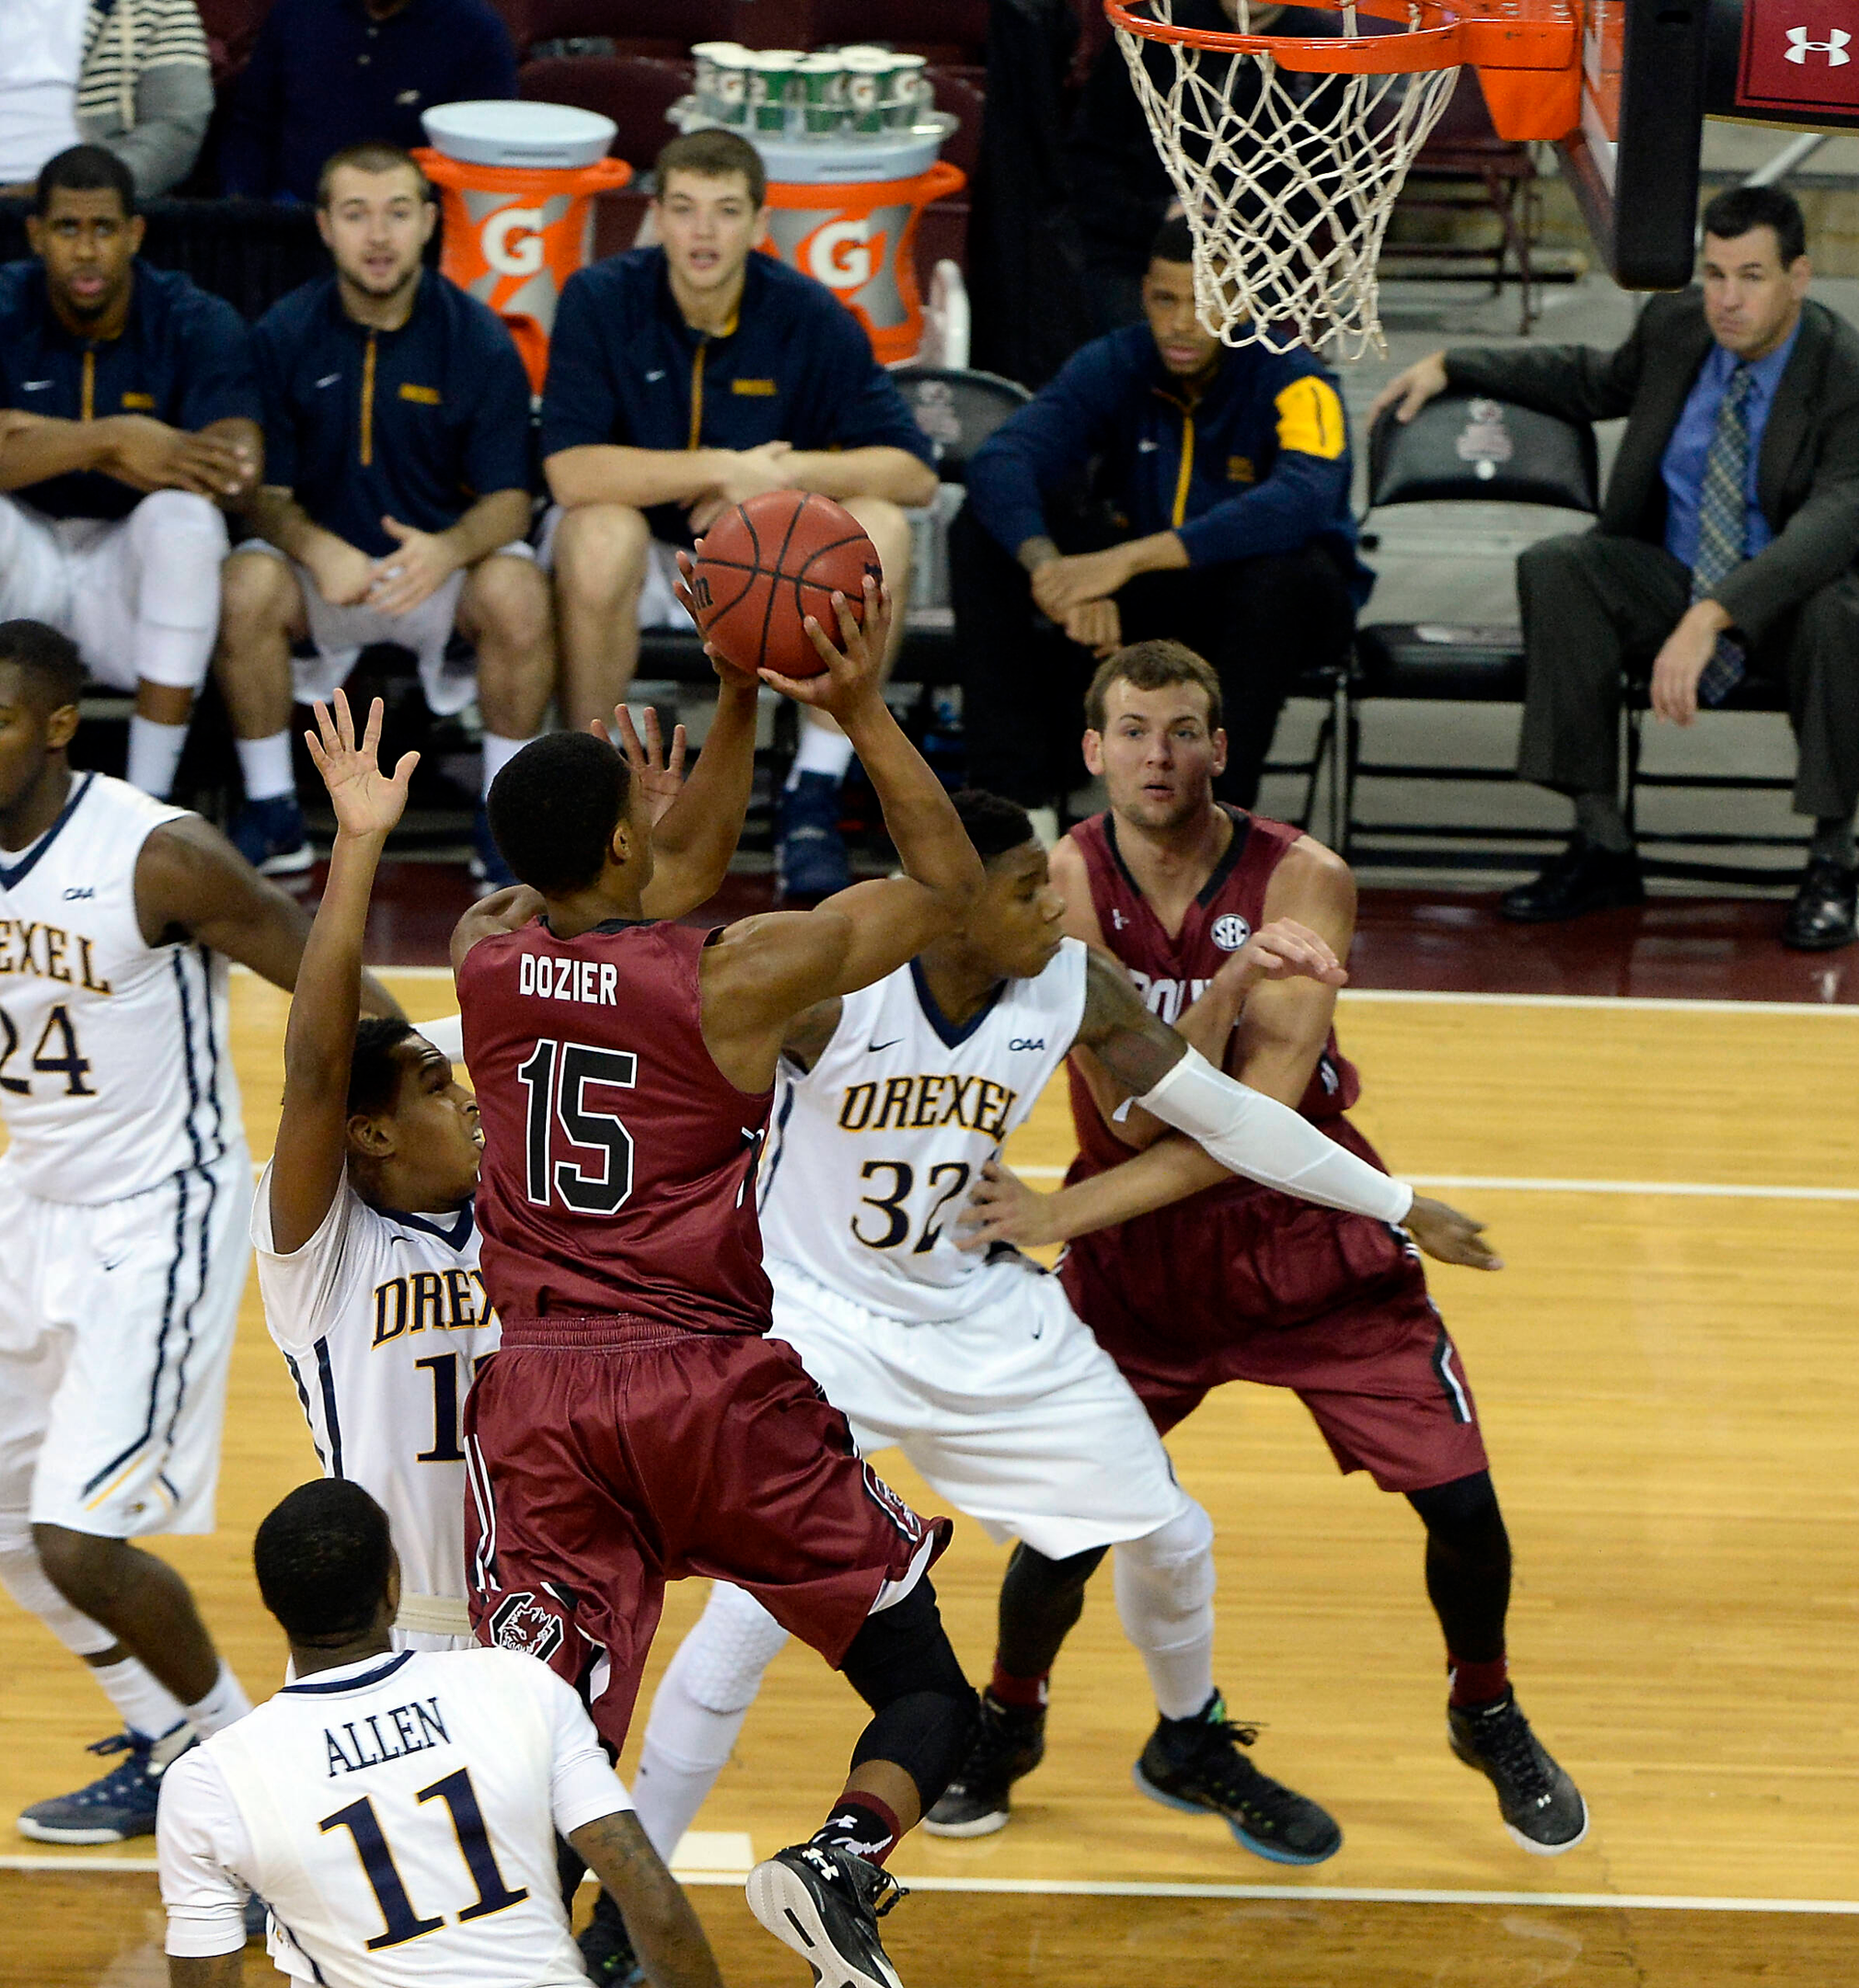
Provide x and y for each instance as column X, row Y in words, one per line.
column 1800, row 46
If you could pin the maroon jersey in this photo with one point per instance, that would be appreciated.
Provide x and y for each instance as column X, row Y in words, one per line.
column 617, row 1159
column 1172, row 974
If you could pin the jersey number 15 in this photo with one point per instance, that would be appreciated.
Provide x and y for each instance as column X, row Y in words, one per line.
column 557, row 1076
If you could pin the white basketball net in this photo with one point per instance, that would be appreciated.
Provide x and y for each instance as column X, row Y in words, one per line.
column 1287, row 179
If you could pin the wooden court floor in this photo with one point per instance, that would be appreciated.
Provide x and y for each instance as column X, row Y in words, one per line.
column 1666, row 1379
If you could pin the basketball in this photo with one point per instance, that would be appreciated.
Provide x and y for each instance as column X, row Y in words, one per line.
column 767, row 565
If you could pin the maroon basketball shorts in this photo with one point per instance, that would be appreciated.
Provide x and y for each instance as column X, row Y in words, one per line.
column 607, row 1457
column 1235, row 1286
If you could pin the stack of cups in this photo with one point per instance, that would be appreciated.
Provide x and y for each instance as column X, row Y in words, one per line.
column 772, row 76
column 885, row 91
column 722, row 81
column 821, row 87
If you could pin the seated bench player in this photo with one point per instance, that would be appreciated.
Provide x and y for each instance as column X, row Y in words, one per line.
column 688, row 378
column 136, row 418
column 395, row 502
column 1162, row 485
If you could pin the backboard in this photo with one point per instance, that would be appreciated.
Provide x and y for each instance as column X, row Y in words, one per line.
column 1652, row 71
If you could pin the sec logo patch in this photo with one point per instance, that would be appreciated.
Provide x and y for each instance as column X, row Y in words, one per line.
column 1230, row 932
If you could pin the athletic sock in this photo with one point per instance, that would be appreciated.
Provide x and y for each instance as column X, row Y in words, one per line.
column 1599, row 818
column 498, row 752
column 1478, row 1683
column 1024, row 1693
column 1833, row 840
column 265, row 767
column 154, row 753
column 148, row 1706
column 862, row 1824
column 225, row 1703
column 821, row 751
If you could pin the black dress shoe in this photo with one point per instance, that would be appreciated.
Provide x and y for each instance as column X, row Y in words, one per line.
column 1583, row 878
column 1821, row 916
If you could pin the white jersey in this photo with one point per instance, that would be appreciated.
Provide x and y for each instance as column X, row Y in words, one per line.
column 874, row 1149
column 383, row 1319
column 115, row 1073
column 398, row 1816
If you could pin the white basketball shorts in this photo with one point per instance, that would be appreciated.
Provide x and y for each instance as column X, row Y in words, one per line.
column 1013, row 1412
column 94, row 579
column 342, row 633
column 116, row 1327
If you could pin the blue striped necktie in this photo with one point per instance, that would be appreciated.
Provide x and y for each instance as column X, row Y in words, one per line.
column 1723, row 516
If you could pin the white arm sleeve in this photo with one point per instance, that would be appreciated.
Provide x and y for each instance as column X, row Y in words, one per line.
column 446, row 1036
column 202, row 1846
column 1256, row 1136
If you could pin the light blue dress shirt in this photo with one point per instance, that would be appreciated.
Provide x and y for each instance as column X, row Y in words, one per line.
column 1682, row 465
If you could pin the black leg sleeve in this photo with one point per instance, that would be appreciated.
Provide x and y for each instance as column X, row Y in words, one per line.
column 1468, row 1564
column 902, row 1664
column 1041, row 1600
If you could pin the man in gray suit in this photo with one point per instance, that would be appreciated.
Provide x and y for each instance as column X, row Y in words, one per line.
column 1726, row 545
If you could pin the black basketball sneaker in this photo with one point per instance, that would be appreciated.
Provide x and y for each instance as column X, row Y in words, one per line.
column 1196, row 1764
column 825, row 1904
column 1009, row 1741
column 606, row 1947
column 1541, row 1808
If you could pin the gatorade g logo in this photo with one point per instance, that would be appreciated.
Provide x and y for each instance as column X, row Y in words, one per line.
column 854, row 255
column 512, row 241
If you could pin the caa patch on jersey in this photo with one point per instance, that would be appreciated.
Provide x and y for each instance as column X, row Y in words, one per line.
column 1230, row 932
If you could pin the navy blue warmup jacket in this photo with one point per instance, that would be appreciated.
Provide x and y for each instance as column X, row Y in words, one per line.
column 184, row 357
column 795, row 366
column 1257, row 463
column 415, row 424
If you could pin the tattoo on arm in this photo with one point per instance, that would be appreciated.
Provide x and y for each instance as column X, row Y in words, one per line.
column 1137, row 1049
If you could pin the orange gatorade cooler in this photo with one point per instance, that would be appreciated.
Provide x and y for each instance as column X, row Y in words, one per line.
column 845, row 213
column 516, row 184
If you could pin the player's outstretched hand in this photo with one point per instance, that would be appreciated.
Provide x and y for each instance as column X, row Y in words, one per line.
column 1444, row 1233
column 1284, row 949
column 852, row 669
column 726, row 670
column 1002, row 1208
column 660, row 779
column 367, row 801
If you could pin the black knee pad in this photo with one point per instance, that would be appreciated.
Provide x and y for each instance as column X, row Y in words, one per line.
column 1463, row 1514
column 902, row 1665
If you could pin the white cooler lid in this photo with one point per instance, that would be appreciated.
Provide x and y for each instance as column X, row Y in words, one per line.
column 494, row 132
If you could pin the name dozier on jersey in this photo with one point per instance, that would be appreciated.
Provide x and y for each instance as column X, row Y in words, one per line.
column 569, row 980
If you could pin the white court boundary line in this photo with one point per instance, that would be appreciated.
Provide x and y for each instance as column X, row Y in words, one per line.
column 1510, row 1184
column 1626, row 1003
column 1093, row 1887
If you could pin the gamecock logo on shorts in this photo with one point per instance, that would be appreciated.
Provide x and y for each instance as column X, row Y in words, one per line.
column 891, row 1505
column 1230, row 932
column 520, row 1621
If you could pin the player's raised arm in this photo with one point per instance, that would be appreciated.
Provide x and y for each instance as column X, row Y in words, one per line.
column 1243, row 1129
column 664, row 1929
column 190, row 881
column 766, row 970
column 319, row 1040
column 694, row 839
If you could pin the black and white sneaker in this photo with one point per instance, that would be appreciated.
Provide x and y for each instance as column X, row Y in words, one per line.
column 1196, row 1764
column 1009, row 1741
column 1541, row 1808
column 825, row 1904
